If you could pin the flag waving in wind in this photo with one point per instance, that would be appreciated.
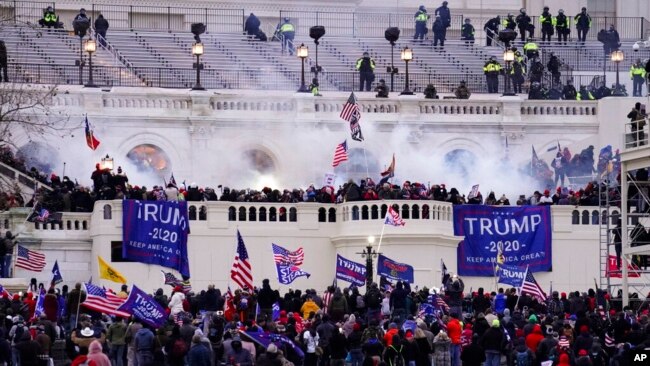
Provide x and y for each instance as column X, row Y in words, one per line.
column 340, row 154
column 286, row 264
column 388, row 173
column 242, row 271
column 393, row 218
column 352, row 114
column 531, row 287
column 56, row 274
column 109, row 273
column 91, row 141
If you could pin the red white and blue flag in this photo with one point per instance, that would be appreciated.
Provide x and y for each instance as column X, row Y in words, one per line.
column 284, row 256
column 30, row 260
column 286, row 264
column 103, row 301
column 393, row 218
column 340, row 154
column 352, row 114
column 91, row 141
column 242, row 271
column 531, row 287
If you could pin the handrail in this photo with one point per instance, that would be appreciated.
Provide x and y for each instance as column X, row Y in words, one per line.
column 22, row 178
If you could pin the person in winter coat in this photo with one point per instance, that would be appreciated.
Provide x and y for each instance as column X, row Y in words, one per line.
column 424, row 348
column 338, row 306
column 308, row 307
column 101, row 27
column 441, row 346
column 492, row 343
column 252, row 25
column 473, row 355
column 51, row 306
column 439, row 32
column 199, row 354
column 176, row 303
column 521, row 355
column 95, row 354
column 534, row 338
column 583, row 341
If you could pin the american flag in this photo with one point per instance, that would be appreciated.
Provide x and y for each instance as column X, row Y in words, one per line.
column 283, row 256
column 171, row 280
column 241, row 271
column 340, row 154
column 392, row 218
column 91, row 141
column 41, row 215
column 30, row 260
column 103, row 301
column 609, row 341
column 531, row 287
column 4, row 292
column 352, row 114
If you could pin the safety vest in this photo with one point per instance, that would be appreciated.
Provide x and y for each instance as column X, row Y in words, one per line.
column 360, row 61
column 589, row 95
column 421, row 17
column 530, row 46
column 545, row 19
column 637, row 71
column 49, row 17
column 492, row 67
column 564, row 24
column 287, row 27
column 314, row 90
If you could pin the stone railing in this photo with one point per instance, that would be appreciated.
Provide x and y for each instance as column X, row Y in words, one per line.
column 304, row 107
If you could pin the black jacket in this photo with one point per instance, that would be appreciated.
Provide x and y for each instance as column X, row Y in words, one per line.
column 101, row 24
column 493, row 340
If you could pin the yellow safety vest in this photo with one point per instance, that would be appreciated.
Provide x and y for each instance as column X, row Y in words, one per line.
column 422, row 17
column 287, row 27
column 545, row 19
column 530, row 46
column 372, row 64
column 50, row 17
column 492, row 67
column 565, row 25
column 634, row 71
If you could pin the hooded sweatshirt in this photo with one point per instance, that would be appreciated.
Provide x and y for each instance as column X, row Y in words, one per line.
column 95, row 354
column 534, row 338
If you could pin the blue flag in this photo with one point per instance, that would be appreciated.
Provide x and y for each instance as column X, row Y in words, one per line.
column 39, row 309
column 287, row 272
column 350, row 271
column 512, row 275
column 394, row 271
column 276, row 311
column 281, row 341
column 56, row 274
column 523, row 235
column 145, row 308
column 155, row 232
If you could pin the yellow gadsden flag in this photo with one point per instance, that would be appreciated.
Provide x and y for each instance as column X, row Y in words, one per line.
column 109, row 273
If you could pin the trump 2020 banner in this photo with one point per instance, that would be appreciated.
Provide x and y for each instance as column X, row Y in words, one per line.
column 512, row 275
column 155, row 232
column 522, row 234
column 353, row 272
column 145, row 308
column 394, row 271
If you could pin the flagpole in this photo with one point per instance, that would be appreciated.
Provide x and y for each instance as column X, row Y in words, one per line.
column 366, row 160
column 520, row 287
column 381, row 236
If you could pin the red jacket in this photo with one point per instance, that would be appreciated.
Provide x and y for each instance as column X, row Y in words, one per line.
column 533, row 339
column 454, row 330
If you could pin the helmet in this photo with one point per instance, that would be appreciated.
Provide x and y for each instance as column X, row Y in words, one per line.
column 366, row 54
column 421, row 7
column 584, row 9
column 82, row 11
column 546, row 8
column 467, row 20
column 509, row 15
column 493, row 58
column 561, row 11
column 444, row 3
column 522, row 10
column 286, row 20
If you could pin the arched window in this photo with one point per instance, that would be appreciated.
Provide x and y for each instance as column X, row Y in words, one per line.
column 262, row 213
column 355, row 213
column 322, row 215
column 384, row 208
column 203, row 213
column 283, row 214
column 273, row 214
column 149, row 159
column 585, row 217
column 575, row 217
column 425, row 212
column 374, row 212
column 242, row 214
column 293, row 214
column 405, row 211
column 232, row 213
column 192, row 213
column 594, row 217
column 252, row 214
column 332, row 215
column 108, row 212
column 415, row 212
column 364, row 212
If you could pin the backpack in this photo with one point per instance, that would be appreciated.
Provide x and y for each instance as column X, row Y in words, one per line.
column 179, row 349
column 399, row 359
column 522, row 359
column 360, row 303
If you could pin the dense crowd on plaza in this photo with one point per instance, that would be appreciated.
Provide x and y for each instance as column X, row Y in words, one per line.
column 380, row 326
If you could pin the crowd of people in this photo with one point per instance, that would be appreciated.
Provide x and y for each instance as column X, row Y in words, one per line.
column 392, row 325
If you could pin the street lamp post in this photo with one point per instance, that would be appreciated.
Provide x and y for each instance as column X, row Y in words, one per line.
column 618, row 56
column 90, row 46
column 303, row 52
column 369, row 255
column 406, row 55
column 107, row 163
column 197, row 50
column 508, row 57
